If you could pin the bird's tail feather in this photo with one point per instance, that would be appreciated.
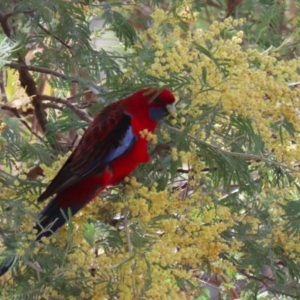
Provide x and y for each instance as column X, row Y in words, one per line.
column 7, row 264
column 54, row 218
column 56, row 214
column 59, row 209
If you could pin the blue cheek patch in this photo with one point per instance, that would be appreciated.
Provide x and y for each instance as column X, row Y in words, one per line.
column 158, row 113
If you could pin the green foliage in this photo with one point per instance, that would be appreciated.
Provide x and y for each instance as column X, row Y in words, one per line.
column 228, row 164
column 6, row 48
column 117, row 22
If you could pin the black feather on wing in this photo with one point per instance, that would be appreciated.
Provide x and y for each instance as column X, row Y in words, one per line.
column 109, row 136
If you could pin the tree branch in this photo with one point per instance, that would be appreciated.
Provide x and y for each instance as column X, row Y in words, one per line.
column 37, row 69
column 16, row 113
column 26, row 79
column 266, row 285
column 52, row 105
column 4, row 23
column 58, row 39
column 237, row 154
column 81, row 114
column 28, row 83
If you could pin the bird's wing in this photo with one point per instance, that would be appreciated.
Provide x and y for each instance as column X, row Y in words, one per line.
column 108, row 137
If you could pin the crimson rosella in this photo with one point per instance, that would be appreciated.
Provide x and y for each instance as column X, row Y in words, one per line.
column 110, row 149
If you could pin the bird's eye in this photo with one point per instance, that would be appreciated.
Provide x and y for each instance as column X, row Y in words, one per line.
column 158, row 100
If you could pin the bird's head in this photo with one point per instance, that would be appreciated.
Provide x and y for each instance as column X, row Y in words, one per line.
column 158, row 103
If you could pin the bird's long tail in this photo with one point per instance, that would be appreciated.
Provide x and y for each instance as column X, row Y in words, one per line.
column 7, row 264
column 67, row 202
column 57, row 213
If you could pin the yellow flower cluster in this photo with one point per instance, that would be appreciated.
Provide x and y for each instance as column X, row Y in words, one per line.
column 163, row 231
column 249, row 83
column 2, row 126
column 253, row 84
column 149, row 136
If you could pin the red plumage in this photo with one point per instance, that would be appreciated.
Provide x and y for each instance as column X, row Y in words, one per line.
column 110, row 149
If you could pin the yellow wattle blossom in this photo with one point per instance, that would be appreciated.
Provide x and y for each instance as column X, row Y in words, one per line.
column 165, row 233
column 2, row 126
column 149, row 136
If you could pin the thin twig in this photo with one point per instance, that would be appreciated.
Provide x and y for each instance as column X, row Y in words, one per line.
column 15, row 12
column 52, row 105
column 126, row 228
column 2, row 86
column 58, row 39
column 37, row 69
column 82, row 94
column 294, row 83
column 236, row 154
column 262, row 281
column 81, row 114
column 36, row 266
column 16, row 113
column 3, row 173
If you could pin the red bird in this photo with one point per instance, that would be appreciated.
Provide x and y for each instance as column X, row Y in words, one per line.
column 110, row 149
